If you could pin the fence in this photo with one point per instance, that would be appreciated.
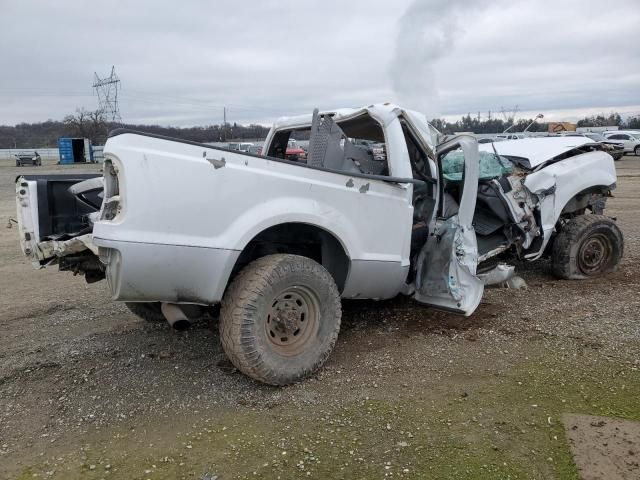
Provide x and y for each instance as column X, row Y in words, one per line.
column 48, row 154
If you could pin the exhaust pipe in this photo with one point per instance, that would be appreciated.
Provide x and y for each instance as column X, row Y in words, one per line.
column 175, row 316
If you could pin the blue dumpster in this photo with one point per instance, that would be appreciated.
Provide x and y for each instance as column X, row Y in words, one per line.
column 65, row 147
column 74, row 150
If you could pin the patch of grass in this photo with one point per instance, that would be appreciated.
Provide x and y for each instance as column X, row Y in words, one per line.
column 505, row 426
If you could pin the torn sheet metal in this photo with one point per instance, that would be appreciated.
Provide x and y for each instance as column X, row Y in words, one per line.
column 60, row 248
column 446, row 271
column 499, row 274
column 445, row 280
column 557, row 184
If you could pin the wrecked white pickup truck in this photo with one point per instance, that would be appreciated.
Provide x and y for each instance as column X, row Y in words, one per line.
column 176, row 227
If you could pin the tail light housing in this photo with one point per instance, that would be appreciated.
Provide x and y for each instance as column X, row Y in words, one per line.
column 111, row 205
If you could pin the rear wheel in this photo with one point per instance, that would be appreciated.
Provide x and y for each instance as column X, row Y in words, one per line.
column 280, row 318
column 587, row 246
column 637, row 150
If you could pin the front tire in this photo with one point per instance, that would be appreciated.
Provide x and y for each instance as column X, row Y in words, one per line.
column 588, row 246
column 280, row 318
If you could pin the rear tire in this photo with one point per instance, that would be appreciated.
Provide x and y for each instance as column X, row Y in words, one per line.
column 588, row 246
column 280, row 318
column 637, row 150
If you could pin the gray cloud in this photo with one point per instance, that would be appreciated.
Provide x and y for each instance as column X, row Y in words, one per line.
column 180, row 64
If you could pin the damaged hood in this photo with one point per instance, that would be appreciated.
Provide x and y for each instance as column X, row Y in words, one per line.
column 536, row 151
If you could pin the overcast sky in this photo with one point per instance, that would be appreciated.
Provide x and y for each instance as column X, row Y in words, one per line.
column 181, row 62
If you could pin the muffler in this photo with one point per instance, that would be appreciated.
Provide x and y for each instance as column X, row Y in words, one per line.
column 175, row 316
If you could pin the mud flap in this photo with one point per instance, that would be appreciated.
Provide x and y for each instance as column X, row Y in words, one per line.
column 446, row 268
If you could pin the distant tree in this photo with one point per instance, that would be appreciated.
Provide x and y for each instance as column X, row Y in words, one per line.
column 601, row 121
column 91, row 124
column 87, row 124
column 634, row 122
column 440, row 124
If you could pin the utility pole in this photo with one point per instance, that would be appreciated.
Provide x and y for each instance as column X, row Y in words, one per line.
column 533, row 121
column 224, row 124
column 107, row 91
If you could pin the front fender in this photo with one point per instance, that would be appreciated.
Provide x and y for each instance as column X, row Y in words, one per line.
column 558, row 183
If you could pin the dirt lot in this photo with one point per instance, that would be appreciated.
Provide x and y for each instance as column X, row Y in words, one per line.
column 87, row 390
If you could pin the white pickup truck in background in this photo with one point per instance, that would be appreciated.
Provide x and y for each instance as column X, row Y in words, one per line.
column 176, row 226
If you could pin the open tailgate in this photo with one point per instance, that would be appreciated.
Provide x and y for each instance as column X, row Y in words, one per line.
column 55, row 214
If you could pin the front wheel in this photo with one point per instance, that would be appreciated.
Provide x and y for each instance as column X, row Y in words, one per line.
column 280, row 318
column 588, row 246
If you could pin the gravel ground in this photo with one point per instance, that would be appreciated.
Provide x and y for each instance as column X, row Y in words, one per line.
column 87, row 390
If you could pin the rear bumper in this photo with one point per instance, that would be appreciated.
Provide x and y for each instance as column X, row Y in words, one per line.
column 165, row 273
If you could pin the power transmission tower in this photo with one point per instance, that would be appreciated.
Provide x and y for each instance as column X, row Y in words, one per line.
column 107, row 91
column 509, row 115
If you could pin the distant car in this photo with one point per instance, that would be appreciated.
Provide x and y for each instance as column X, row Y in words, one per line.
column 375, row 149
column 255, row 149
column 629, row 139
column 295, row 152
column 613, row 148
column 240, row 147
column 509, row 136
column 33, row 159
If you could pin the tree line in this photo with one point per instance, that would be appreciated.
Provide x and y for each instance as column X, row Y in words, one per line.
column 476, row 124
column 93, row 125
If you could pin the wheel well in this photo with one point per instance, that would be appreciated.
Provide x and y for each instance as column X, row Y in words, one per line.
column 593, row 198
column 298, row 239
